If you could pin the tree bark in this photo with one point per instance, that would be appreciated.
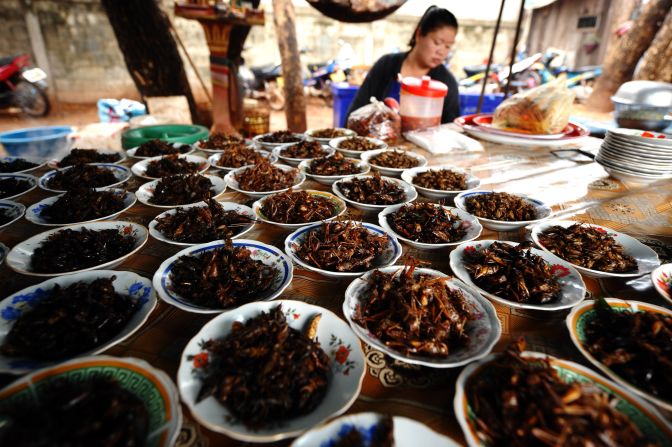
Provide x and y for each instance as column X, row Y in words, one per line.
column 150, row 52
column 657, row 57
column 295, row 105
column 620, row 63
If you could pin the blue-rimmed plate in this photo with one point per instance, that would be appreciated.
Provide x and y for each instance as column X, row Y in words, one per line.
column 126, row 283
column 3, row 252
column 121, row 174
column 348, row 368
column 389, row 256
column 541, row 210
column 13, row 210
column 38, row 162
column 34, row 212
column 265, row 253
column 32, row 184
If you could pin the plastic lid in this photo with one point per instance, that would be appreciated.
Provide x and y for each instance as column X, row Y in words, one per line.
column 424, row 87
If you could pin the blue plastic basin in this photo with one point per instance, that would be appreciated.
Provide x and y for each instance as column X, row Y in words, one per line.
column 36, row 141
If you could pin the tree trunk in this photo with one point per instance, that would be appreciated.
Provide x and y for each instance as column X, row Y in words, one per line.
column 620, row 63
column 295, row 105
column 657, row 57
column 150, row 52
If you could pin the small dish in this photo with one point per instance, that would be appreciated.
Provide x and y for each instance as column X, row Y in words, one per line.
column 201, row 146
column 228, row 206
column 348, row 368
column 140, row 168
column 126, row 283
column 268, row 146
column 214, row 160
column 469, row 222
column 408, row 175
column 369, row 157
column 184, row 149
column 121, row 173
column 295, row 161
column 152, row 386
column 662, row 281
column 19, row 259
column 3, row 252
column 232, row 183
column 576, row 322
column 647, row 259
column 265, row 253
column 32, row 183
column 34, row 212
column 56, row 164
column 336, row 142
column 483, row 330
column 146, row 191
column 410, row 194
column 304, row 167
column 338, row 204
column 542, row 212
column 388, row 257
column 342, row 132
column 39, row 162
column 14, row 210
column 572, row 287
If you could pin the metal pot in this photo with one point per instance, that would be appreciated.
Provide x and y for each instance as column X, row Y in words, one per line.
column 645, row 105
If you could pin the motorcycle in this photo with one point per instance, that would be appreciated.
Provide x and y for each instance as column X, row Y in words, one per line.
column 263, row 82
column 23, row 86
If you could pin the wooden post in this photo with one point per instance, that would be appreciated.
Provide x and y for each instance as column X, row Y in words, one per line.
column 295, row 106
column 656, row 64
column 620, row 63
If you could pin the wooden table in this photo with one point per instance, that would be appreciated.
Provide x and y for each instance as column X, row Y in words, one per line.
column 390, row 386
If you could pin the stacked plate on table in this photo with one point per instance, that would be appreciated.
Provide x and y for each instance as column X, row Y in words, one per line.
column 635, row 155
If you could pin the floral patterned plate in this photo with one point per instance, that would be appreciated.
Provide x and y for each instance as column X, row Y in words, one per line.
column 126, row 283
column 572, row 288
column 335, row 337
column 14, row 211
column 483, row 330
column 662, row 281
column 149, row 384
column 120, row 173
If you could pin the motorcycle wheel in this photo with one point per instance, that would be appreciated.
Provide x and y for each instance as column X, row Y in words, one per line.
column 274, row 96
column 31, row 99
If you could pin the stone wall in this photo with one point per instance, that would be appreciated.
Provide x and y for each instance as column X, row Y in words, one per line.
column 85, row 63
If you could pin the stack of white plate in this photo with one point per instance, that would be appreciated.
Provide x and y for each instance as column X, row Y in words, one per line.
column 635, row 155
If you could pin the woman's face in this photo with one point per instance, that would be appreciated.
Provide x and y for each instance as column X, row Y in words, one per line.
column 433, row 48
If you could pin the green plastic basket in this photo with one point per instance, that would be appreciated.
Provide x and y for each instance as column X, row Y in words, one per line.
column 172, row 133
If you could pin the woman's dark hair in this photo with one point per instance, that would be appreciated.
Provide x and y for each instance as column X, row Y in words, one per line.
column 432, row 19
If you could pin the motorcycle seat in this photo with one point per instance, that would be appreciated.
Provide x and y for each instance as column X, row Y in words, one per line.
column 264, row 70
column 6, row 60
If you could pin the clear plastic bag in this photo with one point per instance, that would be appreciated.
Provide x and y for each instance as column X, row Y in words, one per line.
column 541, row 110
column 376, row 120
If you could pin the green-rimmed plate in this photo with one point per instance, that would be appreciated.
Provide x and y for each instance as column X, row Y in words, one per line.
column 582, row 314
column 339, row 208
column 151, row 385
column 647, row 419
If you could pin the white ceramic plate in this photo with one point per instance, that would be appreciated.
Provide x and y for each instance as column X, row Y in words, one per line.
column 34, row 212
column 27, row 177
column 232, row 183
column 576, row 321
column 265, row 253
column 388, row 257
column 468, row 222
column 38, row 161
column 3, row 252
column 368, row 157
column 408, row 175
column 304, row 167
column 483, row 331
column 647, row 259
column 13, row 209
column 121, row 173
column 634, row 136
column 214, row 159
column 126, row 283
column 338, row 204
column 662, row 281
column 19, row 259
column 140, row 168
column 410, row 194
column 270, row 146
column 278, row 152
column 146, row 191
column 335, row 143
column 56, row 164
column 187, row 148
column 406, row 433
column 337, row 340
column 542, row 211
column 200, row 145
column 572, row 288
column 647, row 418
column 346, row 133
column 228, row 206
